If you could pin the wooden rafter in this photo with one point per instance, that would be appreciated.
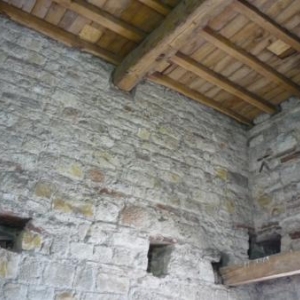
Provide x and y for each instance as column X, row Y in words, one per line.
column 271, row 267
column 56, row 33
column 165, row 40
column 182, row 89
column 267, row 23
column 222, row 82
column 157, row 6
column 249, row 60
column 103, row 18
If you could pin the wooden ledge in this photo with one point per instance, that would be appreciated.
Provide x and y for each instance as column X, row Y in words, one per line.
column 267, row 268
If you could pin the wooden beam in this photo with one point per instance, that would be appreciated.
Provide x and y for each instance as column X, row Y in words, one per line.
column 255, row 15
column 249, row 60
column 182, row 89
column 103, row 18
column 215, row 78
column 267, row 268
column 55, row 32
column 157, row 6
column 166, row 39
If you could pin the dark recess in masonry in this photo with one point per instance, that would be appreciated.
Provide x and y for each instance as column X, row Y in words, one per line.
column 265, row 247
column 10, row 229
column 158, row 259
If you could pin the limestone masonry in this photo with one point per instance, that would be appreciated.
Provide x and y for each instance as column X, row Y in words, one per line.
column 101, row 173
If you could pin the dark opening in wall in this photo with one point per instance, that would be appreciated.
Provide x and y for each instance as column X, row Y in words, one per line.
column 265, row 247
column 158, row 259
column 217, row 265
column 216, row 268
column 10, row 230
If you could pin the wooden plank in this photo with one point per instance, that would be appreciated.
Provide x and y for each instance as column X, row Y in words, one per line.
column 103, row 18
column 90, row 34
column 56, row 33
column 267, row 23
column 40, row 8
column 249, row 60
column 182, row 89
column 55, row 14
column 271, row 267
column 222, row 82
column 166, row 39
column 157, row 6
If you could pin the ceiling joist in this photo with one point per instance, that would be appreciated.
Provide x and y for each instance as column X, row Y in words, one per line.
column 56, row 33
column 166, row 39
column 271, row 267
column 157, row 6
column 255, row 15
column 207, row 74
column 103, row 18
column 182, row 89
column 249, row 60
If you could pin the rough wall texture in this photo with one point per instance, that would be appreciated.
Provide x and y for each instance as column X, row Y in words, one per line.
column 274, row 148
column 100, row 172
column 275, row 184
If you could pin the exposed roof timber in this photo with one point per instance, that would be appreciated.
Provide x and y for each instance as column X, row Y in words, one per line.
column 249, row 60
column 103, row 18
column 166, row 39
column 158, row 7
column 267, row 23
column 271, row 267
column 182, row 89
column 56, row 33
column 222, row 82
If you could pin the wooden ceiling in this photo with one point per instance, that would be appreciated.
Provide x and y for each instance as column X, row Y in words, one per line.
column 239, row 57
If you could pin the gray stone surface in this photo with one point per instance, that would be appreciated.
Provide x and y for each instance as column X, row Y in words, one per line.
column 100, row 172
column 275, row 188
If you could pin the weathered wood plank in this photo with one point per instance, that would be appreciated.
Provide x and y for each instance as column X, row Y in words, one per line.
column 249, row 60
column 157, row 6
column 222, row 82
column 165, row 40
column 271, row 267
column 103, row 18
column 267, row 23
column 182, row 89
column 56, row 33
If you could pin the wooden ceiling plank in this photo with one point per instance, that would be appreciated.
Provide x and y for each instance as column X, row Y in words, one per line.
column 55, row 14
column 157, row 6
column 55, row 32
column 182, row 89
column 249, row 60
column 103, row 18
column 221, row 81
column 267, row 23
column 166, row 39
column 271, row 267
column 41, row 7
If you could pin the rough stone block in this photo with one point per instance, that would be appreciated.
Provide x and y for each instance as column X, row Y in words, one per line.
column 109, row 283
column 59, row 274
column 9, row 262
column 13, row 291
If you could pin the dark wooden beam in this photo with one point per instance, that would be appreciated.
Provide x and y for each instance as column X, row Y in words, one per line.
column 103, row 18
column 217, row 79
column 165, row 40
column 249, row 60
column 157, row 6
column 56, row 33
column 184, row 90
column 255, row 15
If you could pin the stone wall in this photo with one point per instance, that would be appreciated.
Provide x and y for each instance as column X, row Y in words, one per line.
column 274, row 148
column 100, row 172
column 274, row 151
